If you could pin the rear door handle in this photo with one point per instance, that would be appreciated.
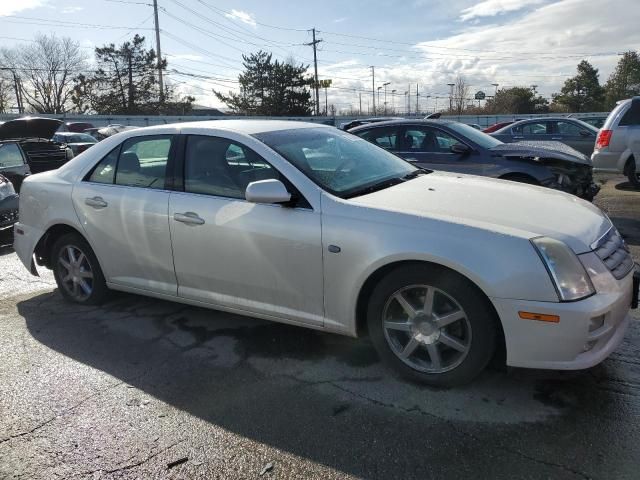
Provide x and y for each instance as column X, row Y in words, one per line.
column 556, row 138
column 96, row 202
column 190, row 218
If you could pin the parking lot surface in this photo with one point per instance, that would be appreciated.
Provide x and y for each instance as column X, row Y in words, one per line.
column 141, row 388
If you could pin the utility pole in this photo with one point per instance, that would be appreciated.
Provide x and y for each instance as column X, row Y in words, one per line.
column 417, row 100
column 160, row 81
column 314, row 44
column 360, row 111
column 373, row 87
column 409, row 101
column 385, row 96
column 18, row 88
column 451, row 97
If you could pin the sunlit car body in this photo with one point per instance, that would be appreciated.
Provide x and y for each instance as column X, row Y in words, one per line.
column 456, row 147
column 312, row 226
column 77, row 142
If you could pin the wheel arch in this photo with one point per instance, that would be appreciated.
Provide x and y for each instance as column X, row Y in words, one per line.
column 628, row 163
column 374, row 277
column 42, row 250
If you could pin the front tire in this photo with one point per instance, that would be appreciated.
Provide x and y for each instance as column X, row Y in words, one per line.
column 432, row 325
column 77, row 271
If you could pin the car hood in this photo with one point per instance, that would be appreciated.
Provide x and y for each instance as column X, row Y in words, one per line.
column 498, row 205
column 542, row 149
column 29, row 127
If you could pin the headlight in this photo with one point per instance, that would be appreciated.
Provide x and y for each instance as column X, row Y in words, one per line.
column 567, row 272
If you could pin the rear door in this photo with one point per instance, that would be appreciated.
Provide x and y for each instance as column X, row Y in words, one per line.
column 13, row 164
column 574, row 135
column 123, row 205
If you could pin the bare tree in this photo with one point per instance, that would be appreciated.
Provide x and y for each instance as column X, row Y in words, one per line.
column 47, row 69
column 6, row 92
column 460, row 94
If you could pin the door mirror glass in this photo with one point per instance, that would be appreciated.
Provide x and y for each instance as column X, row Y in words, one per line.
column 459, row 148
column 267, row 191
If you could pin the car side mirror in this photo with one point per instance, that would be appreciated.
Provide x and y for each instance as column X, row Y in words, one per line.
column 267, row 191
column 459, row 148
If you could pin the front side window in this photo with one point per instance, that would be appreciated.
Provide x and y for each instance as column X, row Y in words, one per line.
column 10, row 156
column 385, row 137
column 339, row 162
column 568, row 128
column 143, row 162
column 430, row 140
column 221, row 167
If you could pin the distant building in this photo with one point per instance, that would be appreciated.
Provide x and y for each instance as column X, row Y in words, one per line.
column 206, row 111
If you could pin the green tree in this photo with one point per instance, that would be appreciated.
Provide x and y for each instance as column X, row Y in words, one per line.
column 624, row 82
column 583, row 92
column 517, row 100
column 125, row 82
column 270, row 88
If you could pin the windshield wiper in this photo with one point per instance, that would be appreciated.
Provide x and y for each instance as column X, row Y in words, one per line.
column 416, row 173
column 389, row 182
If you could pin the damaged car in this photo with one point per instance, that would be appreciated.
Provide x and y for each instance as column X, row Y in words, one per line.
column 8, row 206
column 33, row 135
column 456, row 147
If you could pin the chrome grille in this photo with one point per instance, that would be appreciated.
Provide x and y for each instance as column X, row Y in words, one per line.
column 614, row 253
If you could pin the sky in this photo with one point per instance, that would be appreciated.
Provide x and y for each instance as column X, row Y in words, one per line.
column 423, row 44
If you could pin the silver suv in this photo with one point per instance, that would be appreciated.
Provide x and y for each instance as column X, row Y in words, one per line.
column 618, row 143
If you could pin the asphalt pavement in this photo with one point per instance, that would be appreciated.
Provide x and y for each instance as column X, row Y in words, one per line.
column 141, row 388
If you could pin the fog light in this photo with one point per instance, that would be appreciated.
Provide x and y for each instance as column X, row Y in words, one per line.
column 596, row 323
column 589, row 345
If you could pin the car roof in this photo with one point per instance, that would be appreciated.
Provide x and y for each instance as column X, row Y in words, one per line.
column 405, row 121
column 248, row 127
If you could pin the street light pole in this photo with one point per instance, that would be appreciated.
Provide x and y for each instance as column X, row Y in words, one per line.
column 451, row 85
column 393, row 101
column 385, row 96
column 496, row 86
column 379, row 88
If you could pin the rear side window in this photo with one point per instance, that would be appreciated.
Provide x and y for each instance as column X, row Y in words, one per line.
column 383, row 137
column 10, row 156
column 536, row 128
column 632, row 116
column 105, row 171
column 143, row 162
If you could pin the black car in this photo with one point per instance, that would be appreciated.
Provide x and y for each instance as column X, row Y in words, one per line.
column 456, row 147
column 33, row 136
column 8, row 207
column 13, row 163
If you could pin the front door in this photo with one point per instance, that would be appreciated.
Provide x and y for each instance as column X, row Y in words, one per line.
column 123, row 206
column 575, row 136
column 430, row 147
column 255, row 258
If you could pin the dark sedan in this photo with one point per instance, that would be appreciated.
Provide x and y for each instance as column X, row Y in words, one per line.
column 570, row 131
column 455, row 147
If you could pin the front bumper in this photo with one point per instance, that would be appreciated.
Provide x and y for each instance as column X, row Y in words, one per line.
column 8, row 212
column 25, row 239
column 572, row 343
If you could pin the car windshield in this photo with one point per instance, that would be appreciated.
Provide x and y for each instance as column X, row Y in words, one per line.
column 476, row 136
column 340, row 163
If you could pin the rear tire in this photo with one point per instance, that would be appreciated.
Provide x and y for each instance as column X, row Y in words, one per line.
column 432, row 325
column 632, row 174
column 77, row 271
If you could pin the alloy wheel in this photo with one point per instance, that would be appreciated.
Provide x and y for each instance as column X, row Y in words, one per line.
column 76, row 275
column 426, row 328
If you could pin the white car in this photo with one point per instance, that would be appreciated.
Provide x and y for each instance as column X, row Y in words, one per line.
column 617, row 147
column 308, row 225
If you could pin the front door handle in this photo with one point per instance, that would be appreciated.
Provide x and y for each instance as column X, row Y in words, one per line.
column 96, row 202
column 190, row 218
column 411, row 159
column 556, row 138
column 518, row 137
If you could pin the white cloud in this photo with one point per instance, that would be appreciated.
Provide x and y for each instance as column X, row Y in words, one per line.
column 340, row 20
column 71, row 9
column 10, row 7
column 491, row 8
column 242, row 16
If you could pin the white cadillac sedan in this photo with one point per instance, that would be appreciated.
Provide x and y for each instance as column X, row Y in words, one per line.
column 308, row 225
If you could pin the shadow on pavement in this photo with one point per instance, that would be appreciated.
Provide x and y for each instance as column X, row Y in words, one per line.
column 328, row 399
column 627, row 187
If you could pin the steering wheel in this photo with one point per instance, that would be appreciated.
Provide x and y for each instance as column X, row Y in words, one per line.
column 343, row 164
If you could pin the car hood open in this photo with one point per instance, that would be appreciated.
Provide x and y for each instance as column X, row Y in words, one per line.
column 542, row 149
column 497, row 205
column 29, row 127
